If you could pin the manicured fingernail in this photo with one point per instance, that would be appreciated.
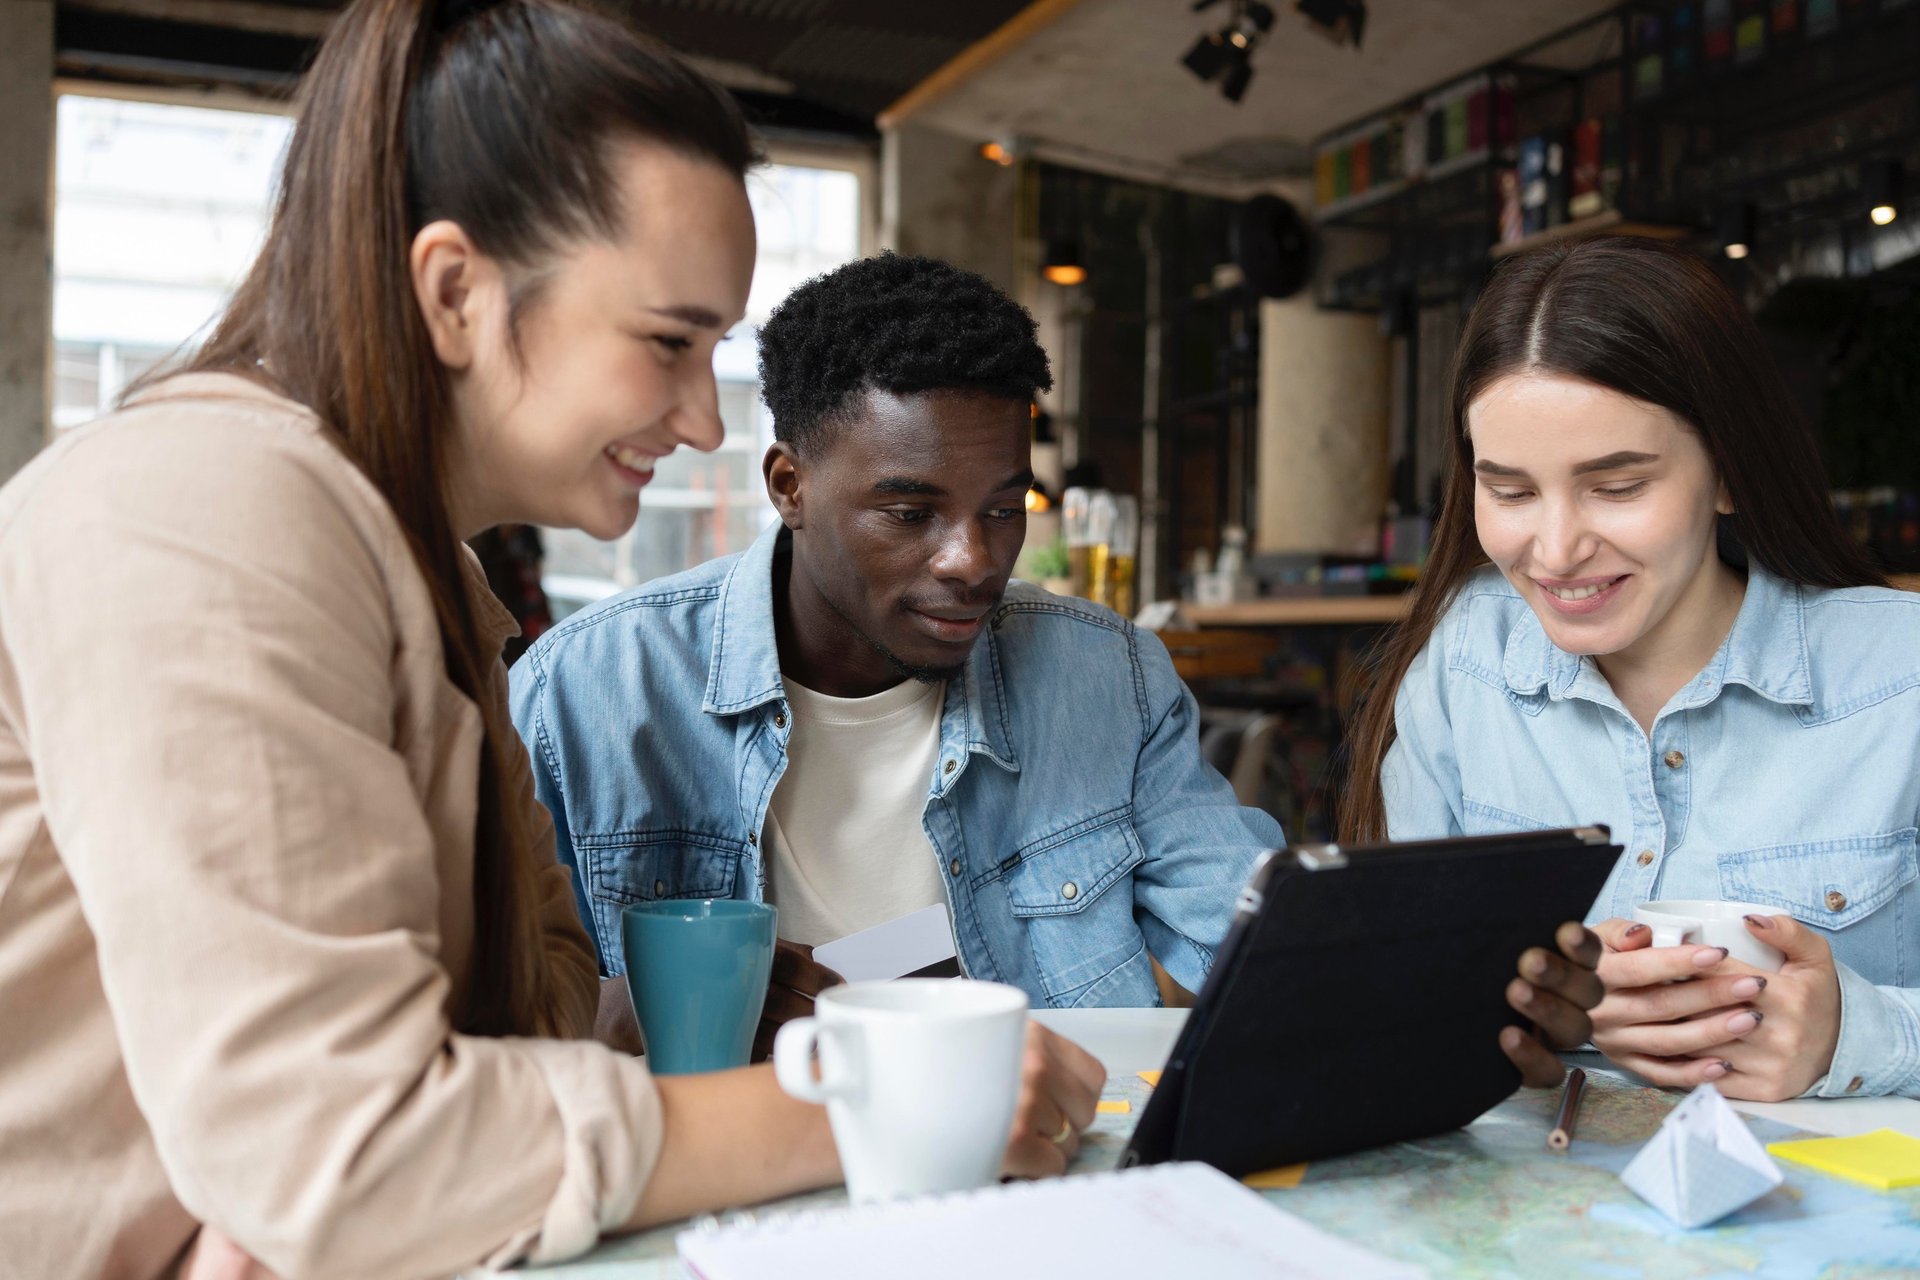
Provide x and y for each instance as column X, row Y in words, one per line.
column 1717, row 1069
column 1707, row 957
column 1744, row 1021
column 1759, row 922
column 1634, row 931
column 1748, row 988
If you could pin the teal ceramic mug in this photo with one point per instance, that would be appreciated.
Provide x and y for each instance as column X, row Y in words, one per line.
column 697, row 969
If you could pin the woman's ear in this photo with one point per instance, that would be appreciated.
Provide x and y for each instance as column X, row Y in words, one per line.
column 781, row 467
column 450, row 279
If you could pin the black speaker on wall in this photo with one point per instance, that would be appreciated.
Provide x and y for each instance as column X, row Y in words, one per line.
column 1271, row 246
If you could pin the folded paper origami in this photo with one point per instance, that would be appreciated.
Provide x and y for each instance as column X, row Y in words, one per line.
column 1702, row 1164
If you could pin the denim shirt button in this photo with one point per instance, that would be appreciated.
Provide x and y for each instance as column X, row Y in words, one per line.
column 1836, row 900
column 949, row 767
column 1674, row 759
column 753, row 839
column 659, row 888
column 779, row 719
column 1646, row 858
column 1853, row 1085
column 1069, row 891
column 953, row 868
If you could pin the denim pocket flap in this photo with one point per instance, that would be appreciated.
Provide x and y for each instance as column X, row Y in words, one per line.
column 1830, row 883
column 1064, row 873
column 671, row 865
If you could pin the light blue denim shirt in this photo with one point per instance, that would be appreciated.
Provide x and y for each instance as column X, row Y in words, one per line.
column 1077, row 827
column 1787, row 773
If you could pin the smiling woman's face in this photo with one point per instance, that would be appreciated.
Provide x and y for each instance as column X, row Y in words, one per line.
column 1599, row 508
column 611, row 367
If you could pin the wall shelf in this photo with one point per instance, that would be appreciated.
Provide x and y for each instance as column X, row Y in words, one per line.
column 1300, row 611
column 1611, row 221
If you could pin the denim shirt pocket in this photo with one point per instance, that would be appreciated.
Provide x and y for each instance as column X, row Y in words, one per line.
column 1072, row 893
column 1842, row 886
column 1482, row 819
column 628, row 867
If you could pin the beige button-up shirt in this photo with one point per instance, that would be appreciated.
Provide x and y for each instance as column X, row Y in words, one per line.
column 237, row 802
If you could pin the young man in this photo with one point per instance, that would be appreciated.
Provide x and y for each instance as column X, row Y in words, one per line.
column 861, row 716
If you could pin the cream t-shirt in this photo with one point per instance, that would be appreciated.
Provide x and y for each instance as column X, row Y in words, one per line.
column 845, row 847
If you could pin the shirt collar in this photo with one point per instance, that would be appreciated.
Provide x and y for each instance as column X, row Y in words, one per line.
column 1766, row 650
column 744, row 670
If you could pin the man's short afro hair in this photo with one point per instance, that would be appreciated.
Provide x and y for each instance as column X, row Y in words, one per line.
column 895, row 324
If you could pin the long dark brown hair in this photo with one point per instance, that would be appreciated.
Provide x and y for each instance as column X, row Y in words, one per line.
column 1652, row 322
column 497, row 115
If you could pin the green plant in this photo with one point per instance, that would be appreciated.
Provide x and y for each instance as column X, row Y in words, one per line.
column 1047, row 561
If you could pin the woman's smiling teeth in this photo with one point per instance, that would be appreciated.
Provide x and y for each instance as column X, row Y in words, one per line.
column 631, row 458
column 1577, row 593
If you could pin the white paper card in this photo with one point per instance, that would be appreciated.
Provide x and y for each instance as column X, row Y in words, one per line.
column 1163, row 1222
column 901, row 946
column 1703, row 1163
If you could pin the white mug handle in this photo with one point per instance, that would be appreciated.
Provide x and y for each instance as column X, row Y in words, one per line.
column 1669, row 935
column 793, row 1053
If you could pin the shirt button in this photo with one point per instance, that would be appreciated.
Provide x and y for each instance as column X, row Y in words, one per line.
column 752, row 838
column 1069, row 891
column 779, row 719
column 1836, row 900
column 1646, row 858
column 659, row 888
column 949, row 767
column 1674, row 759
column 1853, row 1085
column 954, row 867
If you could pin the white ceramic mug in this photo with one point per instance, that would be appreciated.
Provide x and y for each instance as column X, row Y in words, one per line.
column 1712, row 924
column 920, row 1077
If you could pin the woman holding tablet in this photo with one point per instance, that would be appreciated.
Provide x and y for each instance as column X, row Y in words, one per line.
column 284, row 949
column 1639, row 610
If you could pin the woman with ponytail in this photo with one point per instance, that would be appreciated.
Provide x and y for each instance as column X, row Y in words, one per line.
column 1639, row 610
column 287, row 969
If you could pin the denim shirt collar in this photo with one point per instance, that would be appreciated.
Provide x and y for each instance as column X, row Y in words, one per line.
column 744, row 671
column 1766, row 650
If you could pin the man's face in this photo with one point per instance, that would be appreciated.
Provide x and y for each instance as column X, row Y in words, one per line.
column 907, row 518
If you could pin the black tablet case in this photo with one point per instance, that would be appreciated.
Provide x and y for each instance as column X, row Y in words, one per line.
column 1359, row 996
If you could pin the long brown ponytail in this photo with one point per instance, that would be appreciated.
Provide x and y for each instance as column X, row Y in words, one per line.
column 496, row 116
column 1650, row 321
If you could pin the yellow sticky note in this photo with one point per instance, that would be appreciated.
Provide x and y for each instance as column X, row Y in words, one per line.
column 1114, row 1106
column 1285, row 1176
column 1884, row 1159
column 1151, row 1077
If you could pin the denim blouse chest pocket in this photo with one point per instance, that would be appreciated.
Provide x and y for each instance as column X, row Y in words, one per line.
column 1072, row 893
column 1864, row 890
column 624, row 868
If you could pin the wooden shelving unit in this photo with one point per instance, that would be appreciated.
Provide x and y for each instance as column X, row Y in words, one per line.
column 1300, row 611
column 1610, row 221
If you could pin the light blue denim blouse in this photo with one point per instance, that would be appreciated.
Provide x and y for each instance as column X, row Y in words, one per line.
column 1786, row 773
column 1076, row 825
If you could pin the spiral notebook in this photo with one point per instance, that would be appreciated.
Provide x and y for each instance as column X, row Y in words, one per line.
column 1154, row 1223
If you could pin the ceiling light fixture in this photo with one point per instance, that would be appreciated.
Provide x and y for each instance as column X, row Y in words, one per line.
column 1737, row 229
column 1061, row 263
column 1341, row 21
column 1881, row 181
column 1226, row 55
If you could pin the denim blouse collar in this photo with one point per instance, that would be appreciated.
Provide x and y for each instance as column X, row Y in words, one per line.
column 1766, row 650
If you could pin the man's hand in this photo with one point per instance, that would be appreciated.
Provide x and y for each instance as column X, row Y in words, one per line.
column 1060, row 1087
column 1555, row 991
column 796, row 979
column 1682, row 1015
